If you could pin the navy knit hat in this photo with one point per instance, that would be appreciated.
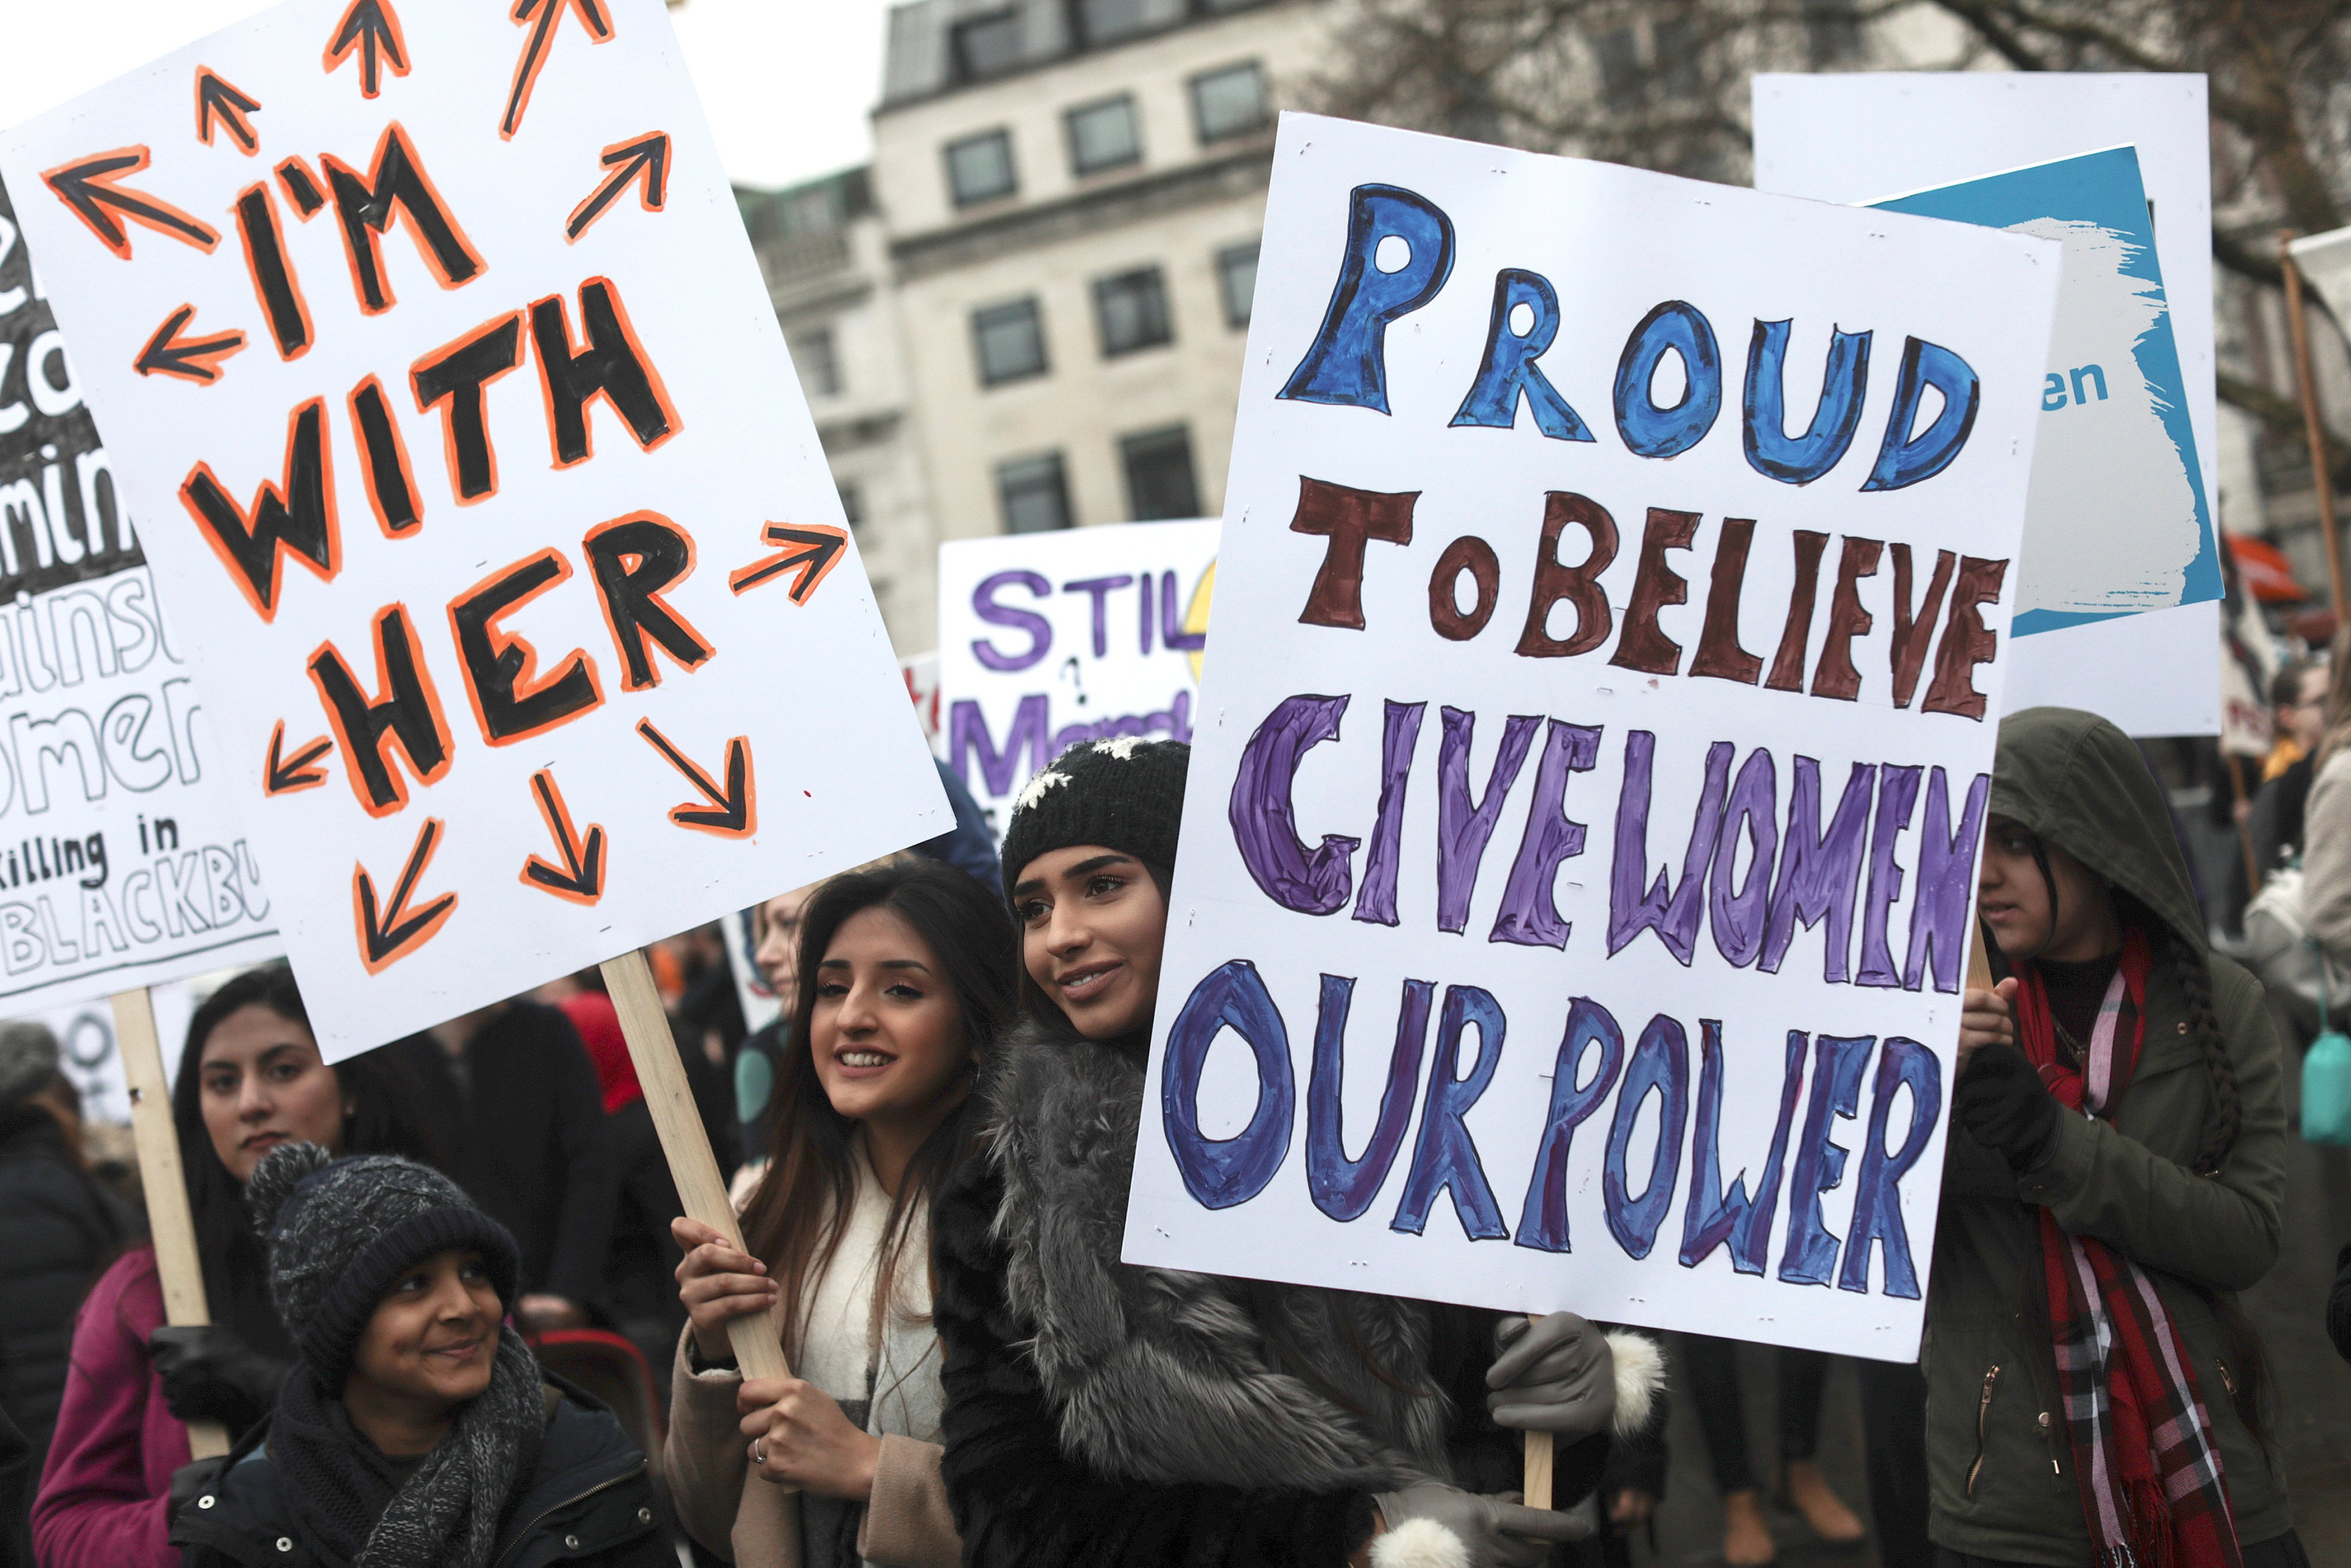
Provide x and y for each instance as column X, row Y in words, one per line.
column 341, row 1231
column 1126, row 794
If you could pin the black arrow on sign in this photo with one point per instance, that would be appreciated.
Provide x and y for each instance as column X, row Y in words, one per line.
column 285, row 775
column 646, row 157
column 372, row 28
column 190, row 358
column 217, row 101
column 736, row 812
column 580, row 878
column 392, row 934
column 91, row 189
column 814, row 548
column 543, row 16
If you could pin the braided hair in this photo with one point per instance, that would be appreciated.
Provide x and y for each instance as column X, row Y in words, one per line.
column 2227, row 1114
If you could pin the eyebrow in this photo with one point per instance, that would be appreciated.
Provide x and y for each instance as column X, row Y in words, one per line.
column 886, row 964
column 1036, row 884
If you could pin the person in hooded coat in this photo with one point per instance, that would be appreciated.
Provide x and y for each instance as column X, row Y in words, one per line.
column 2115, row 1177
column 1098, row 1412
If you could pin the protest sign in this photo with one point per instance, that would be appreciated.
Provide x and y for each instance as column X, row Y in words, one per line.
column 2325, row 263
column 1860, row 136
column 2118, row 523
column 122, row 860
column 445, row 387
column 1578, row 845
column 1049, row 639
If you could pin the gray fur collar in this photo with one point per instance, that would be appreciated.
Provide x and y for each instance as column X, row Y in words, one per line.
column 1161, row 1375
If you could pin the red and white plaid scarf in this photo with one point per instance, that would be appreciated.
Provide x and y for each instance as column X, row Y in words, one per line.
column 2143, row 1457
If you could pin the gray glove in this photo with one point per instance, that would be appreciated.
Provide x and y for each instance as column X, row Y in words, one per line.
column 1497, row 1531
column 1556, row 1376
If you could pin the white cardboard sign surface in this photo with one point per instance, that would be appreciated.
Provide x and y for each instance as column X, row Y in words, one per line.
column 1578, row 852
column 1861, row 136
column 1049, row 639
column 442, row 379
column 123, row 863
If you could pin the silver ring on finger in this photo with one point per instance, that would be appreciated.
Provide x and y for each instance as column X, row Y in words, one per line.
column 756, row 1457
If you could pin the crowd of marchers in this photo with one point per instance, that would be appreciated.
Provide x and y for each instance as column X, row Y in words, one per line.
column 458, row 1317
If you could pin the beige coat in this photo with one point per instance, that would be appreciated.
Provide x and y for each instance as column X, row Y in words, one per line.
column 2327, row 857
column 757, row 1524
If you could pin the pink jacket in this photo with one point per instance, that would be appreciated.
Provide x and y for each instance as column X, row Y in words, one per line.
column 109, row 1467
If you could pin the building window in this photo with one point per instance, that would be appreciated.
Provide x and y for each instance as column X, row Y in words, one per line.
column 1229, row 102
column 1159, row 475
column 852, row 505
column 1036, row 498
column 987, row 46
column 1623, row 83
column 1104, row 135
column 1010, row 340
column 1130, row 309
column 819, row 366
column 980, row 168
column 1237, row 281
column 1106, row 21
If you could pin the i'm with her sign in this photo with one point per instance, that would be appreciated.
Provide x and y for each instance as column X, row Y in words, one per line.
column 1578, row 856
column 441, row 376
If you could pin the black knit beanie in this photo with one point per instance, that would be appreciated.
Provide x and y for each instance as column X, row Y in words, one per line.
column 1126, row 794
column 341, row 1231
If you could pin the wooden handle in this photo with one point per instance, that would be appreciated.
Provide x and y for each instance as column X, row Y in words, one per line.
column 1539, row 1450
column 758, row 1342
column 165, row 1185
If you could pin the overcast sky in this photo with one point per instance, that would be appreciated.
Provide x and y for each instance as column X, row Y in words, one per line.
column 787, row 83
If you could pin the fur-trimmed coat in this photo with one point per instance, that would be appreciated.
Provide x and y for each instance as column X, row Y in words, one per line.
column 1102, row 1412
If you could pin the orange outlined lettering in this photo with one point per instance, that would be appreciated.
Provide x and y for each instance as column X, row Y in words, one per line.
column 613, row 366
column 297, row 520
column 634, row 559
column 390, row 481
column 408, row 714
column 301, row 188
column 272, row 272
column 499, row 665
column 395, row 182
column 458, row 372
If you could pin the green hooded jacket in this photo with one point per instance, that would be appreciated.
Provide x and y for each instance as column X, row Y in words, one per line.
column 1998, row 1463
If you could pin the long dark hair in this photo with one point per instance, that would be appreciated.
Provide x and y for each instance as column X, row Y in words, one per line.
column 383, row 1119
column 795, row 1218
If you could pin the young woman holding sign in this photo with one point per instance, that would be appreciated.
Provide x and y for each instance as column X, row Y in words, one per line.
column 250, row 1079
column 901, row 984
column 1098, row 1412
column 2115, row 1177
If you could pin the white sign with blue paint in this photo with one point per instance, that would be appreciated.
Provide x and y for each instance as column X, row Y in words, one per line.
column 1610, row 636
column 2117, row 522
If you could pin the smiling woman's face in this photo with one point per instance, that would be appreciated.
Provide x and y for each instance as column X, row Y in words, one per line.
column 1092, row 922
column 262, row 1084
column 435, row 1335
column 886, row 1030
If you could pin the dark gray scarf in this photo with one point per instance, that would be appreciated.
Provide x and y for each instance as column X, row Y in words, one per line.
column 355, row 1509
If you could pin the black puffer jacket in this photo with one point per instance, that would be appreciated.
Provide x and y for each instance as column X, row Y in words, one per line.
column 1100, row 1413
column 589, row 1504
column 58, row 1233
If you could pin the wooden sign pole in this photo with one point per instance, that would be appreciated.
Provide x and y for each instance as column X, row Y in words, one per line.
column 759, row 1341
column 165, row 1184
column 2322, row 474
column 1537, row 1488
